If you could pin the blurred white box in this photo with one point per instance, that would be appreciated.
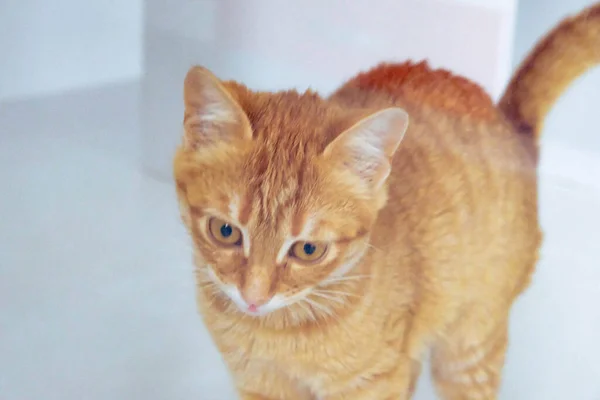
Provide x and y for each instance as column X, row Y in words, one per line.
column 277, row 44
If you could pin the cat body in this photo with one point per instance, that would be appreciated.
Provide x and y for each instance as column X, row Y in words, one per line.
column 339, row 241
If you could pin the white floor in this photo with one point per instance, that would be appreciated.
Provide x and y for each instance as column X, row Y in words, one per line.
column 96, row 290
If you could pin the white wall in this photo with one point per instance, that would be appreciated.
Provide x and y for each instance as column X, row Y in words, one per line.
column 48, row 46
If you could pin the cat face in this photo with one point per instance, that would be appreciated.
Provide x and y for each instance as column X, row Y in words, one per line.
column 266, row 240
column 278, row 191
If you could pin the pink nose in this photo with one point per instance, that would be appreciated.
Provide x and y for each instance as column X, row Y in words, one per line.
column 253, row 299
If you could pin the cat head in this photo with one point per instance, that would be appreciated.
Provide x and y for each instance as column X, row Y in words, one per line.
column 279, row 191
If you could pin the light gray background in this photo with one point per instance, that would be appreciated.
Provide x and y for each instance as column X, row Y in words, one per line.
column 96, row 290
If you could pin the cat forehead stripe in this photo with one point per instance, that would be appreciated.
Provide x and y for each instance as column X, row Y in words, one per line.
column 245, row 210
column 234, row 207
column 235, row 213
column 303, row 226
column 299, row 231
column 298, row 222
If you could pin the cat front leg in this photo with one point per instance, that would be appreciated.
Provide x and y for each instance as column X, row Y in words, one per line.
column 287, row 395
column 397, row 383
column 291, row 395
column 269, row 385
column 250, row 396
column 467, row 364
column 258, row 379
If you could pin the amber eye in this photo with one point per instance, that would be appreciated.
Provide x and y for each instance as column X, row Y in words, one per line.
column 224, row 233
column 308, row 251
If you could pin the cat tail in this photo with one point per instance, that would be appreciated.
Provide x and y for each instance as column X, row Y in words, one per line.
column 566, row 52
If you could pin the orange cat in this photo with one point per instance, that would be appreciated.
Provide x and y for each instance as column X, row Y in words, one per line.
column 337, row 240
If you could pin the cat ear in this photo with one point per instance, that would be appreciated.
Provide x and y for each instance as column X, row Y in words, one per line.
column 366, row 148
column 211, row 114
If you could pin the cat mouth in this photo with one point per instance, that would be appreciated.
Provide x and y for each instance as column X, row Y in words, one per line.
column 234, row 295
column 253, row 309
column 274, row 304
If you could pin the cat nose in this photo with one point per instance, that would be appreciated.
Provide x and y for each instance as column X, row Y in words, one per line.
column 256, row 288
column 254, row 300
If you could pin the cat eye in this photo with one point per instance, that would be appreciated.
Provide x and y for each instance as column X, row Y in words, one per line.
column 224, row 233
column 308, row 251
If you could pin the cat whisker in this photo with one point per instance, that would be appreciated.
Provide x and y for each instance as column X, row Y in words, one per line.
column 203, row 270
column 203, row 273
column 330, row 281
column 328, row 296
column 205, row 280
column 295, row 318
column 327, row 310
column 337, row 292
column 212, row 286
column 319, row 306
column 308, row 311
column 373, row 247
